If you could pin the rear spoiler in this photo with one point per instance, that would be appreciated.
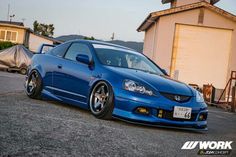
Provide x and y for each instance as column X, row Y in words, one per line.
column 44, row 48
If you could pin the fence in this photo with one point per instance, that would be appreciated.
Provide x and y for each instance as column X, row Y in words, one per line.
column 230, row 89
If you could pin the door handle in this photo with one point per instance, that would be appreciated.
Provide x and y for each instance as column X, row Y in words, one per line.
column 59, row 66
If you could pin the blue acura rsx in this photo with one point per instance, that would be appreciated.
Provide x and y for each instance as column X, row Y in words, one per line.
column 114, row 81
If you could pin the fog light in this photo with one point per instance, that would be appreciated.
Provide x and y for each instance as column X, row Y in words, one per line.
column 142, row 110
column 201, row 117
column 160, row 114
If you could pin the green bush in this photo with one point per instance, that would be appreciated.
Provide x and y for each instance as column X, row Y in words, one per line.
column 89, row 38
column 5, row 44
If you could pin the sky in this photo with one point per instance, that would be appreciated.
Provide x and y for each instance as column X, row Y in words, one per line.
column 97, row 18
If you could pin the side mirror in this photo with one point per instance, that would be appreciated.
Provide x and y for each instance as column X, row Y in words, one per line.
column 83, row 59
column 164, row 71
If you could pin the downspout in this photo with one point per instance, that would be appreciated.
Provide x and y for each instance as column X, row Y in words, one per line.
column 154, row 40
column 26, row 38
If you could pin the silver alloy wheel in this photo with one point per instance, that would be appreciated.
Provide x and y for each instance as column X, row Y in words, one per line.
column 99, row 97
column 31, row 83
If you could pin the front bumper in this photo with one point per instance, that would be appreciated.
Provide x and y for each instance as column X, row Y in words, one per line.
column 127, row 102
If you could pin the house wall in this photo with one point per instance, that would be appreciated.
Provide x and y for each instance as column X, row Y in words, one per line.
column 213, row 19
column 197, row 51
column 36, row 41
column 20, row 33
column 185, row 2
column 166, row 29
column 165, row 36
column 150, row 40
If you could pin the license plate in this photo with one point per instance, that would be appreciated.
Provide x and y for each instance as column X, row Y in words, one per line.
column 182, row 112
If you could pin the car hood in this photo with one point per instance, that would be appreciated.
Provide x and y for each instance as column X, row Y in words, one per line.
column 160, row 83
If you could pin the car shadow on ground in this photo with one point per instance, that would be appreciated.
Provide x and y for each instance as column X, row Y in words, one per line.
column 126, row 123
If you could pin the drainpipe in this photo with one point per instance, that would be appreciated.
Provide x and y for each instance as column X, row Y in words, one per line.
column 154, row 40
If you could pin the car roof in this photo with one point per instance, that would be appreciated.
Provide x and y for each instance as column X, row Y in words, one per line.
column 100, row 42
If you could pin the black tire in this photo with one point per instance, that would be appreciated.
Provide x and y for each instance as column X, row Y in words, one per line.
column 23, row 71
column 104, row 112
column 34, row 93
column 9, row 70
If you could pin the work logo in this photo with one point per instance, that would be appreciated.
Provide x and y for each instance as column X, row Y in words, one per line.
column 209, row 147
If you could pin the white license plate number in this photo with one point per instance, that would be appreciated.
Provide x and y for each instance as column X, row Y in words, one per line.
column 182, row 112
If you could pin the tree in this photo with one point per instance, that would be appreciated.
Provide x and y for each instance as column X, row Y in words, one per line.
column 43, row 29
column 89, row 38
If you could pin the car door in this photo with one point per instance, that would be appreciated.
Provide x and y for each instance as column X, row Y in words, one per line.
column 71, row 79
column 51, row 59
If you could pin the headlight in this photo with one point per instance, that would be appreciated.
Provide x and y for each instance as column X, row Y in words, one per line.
column 135, row 87
column 199, row 97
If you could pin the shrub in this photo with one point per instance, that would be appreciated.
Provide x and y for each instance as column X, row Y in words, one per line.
column 5, row 44
column 89, row 38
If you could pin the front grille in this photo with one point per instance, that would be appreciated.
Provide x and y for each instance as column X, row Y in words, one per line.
column 169, row 116
column 175, row 97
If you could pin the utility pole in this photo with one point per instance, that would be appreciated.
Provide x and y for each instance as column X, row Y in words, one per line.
column 113, row 36
column 8, row 12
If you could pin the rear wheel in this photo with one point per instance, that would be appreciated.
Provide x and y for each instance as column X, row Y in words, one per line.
column 102, row 100
column 34, row 85
column 23, row 71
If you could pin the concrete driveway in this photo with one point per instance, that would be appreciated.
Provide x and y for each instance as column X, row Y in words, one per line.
column 39, row 128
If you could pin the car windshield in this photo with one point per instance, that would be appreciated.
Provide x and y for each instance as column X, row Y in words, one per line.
column 124, row 58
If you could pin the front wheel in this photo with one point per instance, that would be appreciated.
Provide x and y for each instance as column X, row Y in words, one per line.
column 102, row 100
column 34, row 85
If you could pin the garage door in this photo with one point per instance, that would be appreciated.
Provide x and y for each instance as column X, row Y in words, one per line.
column 201, row 55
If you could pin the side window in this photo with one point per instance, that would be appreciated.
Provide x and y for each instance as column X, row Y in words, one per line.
column 60, row 50
column 77, row 48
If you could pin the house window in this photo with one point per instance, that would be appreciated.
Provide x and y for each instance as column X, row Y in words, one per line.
column 13, row 36
column 6, row 35
column 2, row 35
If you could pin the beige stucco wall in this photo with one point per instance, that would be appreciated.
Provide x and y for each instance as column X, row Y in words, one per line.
column 20, row 33
column 185, row 2
column 214, row 19
column 150, row 39
column 165, row 30
column 36, row 41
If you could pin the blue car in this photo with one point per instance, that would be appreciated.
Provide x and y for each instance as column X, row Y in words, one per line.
column 114, row 81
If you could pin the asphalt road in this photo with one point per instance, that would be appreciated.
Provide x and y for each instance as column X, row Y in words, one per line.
column 39, row 128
